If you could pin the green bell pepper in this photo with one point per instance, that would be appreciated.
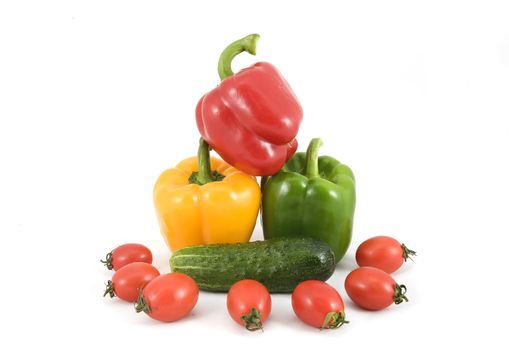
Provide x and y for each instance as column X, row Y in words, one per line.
column 310, row 196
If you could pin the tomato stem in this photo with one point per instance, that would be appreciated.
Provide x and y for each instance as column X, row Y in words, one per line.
column 109, row 290
column 142, row 304
column 334, row 320
column 253, row 320
column 408, row 253
column 399, row 293
column 108, row 262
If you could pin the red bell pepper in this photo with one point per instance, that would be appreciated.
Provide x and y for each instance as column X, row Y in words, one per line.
column 251, row 119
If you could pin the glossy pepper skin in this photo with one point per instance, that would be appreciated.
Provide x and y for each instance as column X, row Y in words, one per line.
column 311, row 197
column 203, row 200
column 251, row 119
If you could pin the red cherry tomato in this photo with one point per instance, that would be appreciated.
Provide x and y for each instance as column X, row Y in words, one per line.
column 383, row 252
column 249, row 304
column 126, row 254
column 168, row 297
column 318, row 304
column 373, row 289
column 129, row 280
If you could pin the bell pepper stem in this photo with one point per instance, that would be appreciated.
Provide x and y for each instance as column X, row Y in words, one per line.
column 204, row 171
column 204, row 174
column 312, row 158
column 247, row 43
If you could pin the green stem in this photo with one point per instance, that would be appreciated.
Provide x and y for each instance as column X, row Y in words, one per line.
column 312, row 158
column 253, row 320
column 109, row 290
column 408, row 253
column 108, row 262
column 334, row 320
column 399, row 293
column 205, row 173
column 142, row 304
column 248, row 43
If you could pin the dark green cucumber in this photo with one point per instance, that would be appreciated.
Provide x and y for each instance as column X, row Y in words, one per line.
column 280, row 264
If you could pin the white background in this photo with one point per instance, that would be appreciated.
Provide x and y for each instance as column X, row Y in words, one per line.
column 97, row 98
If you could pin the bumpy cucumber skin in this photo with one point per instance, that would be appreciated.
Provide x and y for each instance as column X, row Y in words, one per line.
column 280, row 264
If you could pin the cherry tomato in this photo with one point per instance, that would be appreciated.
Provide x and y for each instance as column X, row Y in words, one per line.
column 126, row 254
column 383, row 252
column 249, row 304
column 318, row 304
column 373, row 289
column 129, row 280
column 168, row 297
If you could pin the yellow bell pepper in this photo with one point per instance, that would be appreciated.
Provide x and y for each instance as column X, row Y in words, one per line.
column 203, row 200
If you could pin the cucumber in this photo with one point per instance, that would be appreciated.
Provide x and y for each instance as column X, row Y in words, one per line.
column 279, row 264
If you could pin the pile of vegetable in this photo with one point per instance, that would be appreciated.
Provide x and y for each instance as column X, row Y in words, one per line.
column 207, row 209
